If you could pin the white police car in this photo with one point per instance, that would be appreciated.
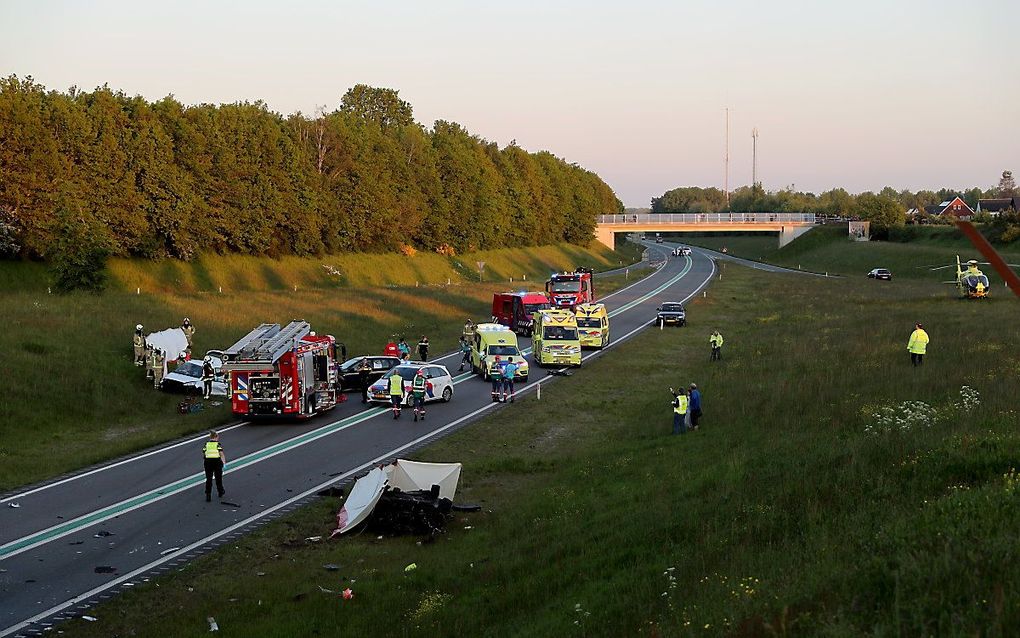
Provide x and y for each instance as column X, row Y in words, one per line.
column 438, row 383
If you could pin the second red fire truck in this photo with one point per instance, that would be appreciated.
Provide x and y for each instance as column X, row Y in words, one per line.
column 570, row 289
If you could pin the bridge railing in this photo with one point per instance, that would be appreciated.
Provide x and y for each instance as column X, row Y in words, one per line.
column 709, row 218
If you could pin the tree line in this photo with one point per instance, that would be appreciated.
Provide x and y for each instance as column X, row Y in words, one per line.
column 163, row 179
column 885, row 209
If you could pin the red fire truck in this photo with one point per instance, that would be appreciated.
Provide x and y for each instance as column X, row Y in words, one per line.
column 570, row 289
column 514, row 309
column 287, row 371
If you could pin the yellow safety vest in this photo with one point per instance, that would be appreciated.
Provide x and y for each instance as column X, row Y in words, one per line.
column 681, row 406
column 212, row 449
column 918, row 342
column 715, row 340
column 396, row 385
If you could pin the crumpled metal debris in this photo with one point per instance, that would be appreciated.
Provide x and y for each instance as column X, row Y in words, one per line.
column 212, row 624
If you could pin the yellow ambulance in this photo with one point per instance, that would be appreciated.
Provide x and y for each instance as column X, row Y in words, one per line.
column 593, row 325
column 555, row 340
column 492, row 340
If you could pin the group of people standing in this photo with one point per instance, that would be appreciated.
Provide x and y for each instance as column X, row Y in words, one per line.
column 156, row 360
column 502, row 377
column 686, row 408
column 403, row 351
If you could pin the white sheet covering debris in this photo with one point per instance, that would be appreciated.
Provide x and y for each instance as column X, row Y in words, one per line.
column 171, row 340
column 408, row 476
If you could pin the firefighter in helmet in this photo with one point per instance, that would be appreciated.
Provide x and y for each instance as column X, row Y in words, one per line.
column 138, row 340
column 208, row 375
column 158, row 368
column 189, row 331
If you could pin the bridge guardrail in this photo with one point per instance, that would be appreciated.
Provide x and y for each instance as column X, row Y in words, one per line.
column 709, row 218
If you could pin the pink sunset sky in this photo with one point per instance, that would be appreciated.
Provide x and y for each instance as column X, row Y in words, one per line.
column 860, row 94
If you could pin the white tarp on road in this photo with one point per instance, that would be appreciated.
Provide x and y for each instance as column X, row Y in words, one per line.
column 172, row 341
column 407, row 476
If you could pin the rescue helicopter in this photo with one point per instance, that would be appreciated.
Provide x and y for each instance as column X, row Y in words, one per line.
column 970, row 281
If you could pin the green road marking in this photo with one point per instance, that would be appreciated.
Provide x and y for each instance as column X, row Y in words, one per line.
column 170, row 489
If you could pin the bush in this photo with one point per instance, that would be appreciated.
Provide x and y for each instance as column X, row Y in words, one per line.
column 79, row 258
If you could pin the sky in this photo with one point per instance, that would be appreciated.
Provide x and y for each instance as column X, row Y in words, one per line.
column 861, row 95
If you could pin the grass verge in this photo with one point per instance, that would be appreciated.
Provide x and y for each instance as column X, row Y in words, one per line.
column 795, row 510
column 827, row 249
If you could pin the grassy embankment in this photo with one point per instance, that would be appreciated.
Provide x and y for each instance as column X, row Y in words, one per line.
column 783, row 515
column 71, row 396
column 826, row 248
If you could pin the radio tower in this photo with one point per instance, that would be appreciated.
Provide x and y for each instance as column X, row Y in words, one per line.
column 754, row 157
column 726, row 179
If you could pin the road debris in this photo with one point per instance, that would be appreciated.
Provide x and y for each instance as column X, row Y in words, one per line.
column 229, row 503
column 102, row 533
column 330, row 567
column 348, row 594
column 326, row 591
column 411, row 567
column 105, row 569
column 89, row 618
column 169, row 551
column 15, row 505
column 212, row 624
column 314, row 539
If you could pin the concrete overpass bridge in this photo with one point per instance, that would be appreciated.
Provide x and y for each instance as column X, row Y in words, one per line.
column 789, row 226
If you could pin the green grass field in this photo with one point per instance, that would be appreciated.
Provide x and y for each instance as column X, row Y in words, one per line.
column 73, row 398
column 826, row 248
column 793, row 511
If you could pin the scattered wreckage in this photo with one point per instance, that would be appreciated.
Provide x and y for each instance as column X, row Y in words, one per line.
column 406, row 497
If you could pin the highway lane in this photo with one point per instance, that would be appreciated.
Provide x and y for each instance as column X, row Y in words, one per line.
column 154, row 505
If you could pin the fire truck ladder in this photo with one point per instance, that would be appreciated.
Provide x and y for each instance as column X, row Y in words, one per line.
column 265, row 344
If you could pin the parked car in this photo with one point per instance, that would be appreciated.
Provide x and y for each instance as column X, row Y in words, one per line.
column 671, row 313
column 350, row 378
column 187, row 377
column 880, row 273
column 438, row 383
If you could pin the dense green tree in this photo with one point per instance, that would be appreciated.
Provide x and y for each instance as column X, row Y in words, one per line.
column 166, row 180
column 882, row 211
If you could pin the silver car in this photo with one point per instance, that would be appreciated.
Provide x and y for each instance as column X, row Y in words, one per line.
column 187, row 377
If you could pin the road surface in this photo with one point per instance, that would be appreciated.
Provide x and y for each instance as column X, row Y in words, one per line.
column 69, row 543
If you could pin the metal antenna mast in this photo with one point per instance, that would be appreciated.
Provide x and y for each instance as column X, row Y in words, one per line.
column 726, row 182
column 754, row 157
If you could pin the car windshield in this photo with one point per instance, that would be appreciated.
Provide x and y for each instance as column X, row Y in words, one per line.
column 189, row 369
column 504, row 351
column 348, row 365
column 673, row 307
column 588, row 322
column 532, row 308
column 566, row 286
column 559, row 333
column 406, row 372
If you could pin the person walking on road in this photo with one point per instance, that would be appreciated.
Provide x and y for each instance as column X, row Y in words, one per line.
column 189, row 331
column 465, row 353
column 208, row 376
column 418, row 386
column 496, row 376
column 423, row 348
column 364, row 368
column 509, row 370
column 396, row 383
column 138, row 340
column 214, row 459
column 679, row 411
column 405, row 350
column 917, row 345
column 716, row 341
column 694, row 409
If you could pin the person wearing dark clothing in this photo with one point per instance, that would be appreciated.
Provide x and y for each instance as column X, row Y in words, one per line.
column 208, row 376
column 363, row 369
column 423, row 348
column 214, row 461
column 695, row 406
column 465, row 352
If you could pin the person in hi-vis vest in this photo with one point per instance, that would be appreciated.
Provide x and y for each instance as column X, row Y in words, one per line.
column 214, row 461
column 680, row 403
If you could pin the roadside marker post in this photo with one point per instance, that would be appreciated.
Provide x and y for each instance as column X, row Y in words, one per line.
column 138, row 290
column 538, row 390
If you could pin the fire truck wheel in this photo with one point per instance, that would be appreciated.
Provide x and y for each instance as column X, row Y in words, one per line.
column 447, row 394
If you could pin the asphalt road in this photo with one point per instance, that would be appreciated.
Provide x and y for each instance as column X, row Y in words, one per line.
column 69, row 543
